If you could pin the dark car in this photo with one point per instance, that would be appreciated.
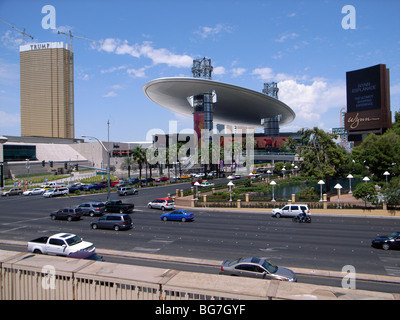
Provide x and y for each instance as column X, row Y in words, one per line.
column 75, row 187
column 114, row 221
column 94, row 186
column 119, row 206
column 256, row 268
column 133, row 180
column 67, row 214
column 387, row 242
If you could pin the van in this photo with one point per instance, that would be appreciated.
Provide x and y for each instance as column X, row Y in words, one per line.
column 56, row 192
column 291, row 210
column 124, row 191
column 116, row 221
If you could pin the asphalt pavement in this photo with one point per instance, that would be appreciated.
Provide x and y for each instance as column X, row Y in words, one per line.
column 328, row 243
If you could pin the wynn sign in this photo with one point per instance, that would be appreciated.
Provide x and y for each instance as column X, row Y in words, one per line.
column 368, row 102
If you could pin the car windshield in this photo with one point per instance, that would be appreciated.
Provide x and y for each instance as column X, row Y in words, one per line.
column 73, row 240
column 268, row 266
column 393, row 235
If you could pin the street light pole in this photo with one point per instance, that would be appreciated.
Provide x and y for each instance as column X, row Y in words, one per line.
column 320, row 182
column 273, row 183
column 338, row 187
column 230, row 184
column 350, row 177
column 108, row 160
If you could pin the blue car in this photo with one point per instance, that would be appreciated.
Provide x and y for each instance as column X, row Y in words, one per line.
column 177, row 215
column 94, row 186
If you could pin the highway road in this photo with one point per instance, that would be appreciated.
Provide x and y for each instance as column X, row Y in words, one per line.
column 328, row 243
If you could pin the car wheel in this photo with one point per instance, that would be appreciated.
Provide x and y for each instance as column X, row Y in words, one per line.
column 165, row 219
column 183, row 219
column 116, row 228
column 94, row 226
column 121, row 211
column 69, row 218
column 37, row 251
column 163, row 208
column 278, row 215
column 150, row 207
column 91, row 213
column 53, row 217
column 385, row 246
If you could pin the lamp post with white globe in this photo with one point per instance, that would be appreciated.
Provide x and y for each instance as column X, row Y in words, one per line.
column 273, row 183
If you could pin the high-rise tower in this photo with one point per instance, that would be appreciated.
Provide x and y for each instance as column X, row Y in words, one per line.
column 203, row 102
column 47, row 90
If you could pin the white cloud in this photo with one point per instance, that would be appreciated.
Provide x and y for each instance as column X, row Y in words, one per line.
column 237, row 72
column 206, row 32
column 267, row 74
column 395, row 89
column 9, row 120
column 12, row 40
column 110, row 94
column 287, row 36
column 309, row 102
column 137, row 73
column 264, row 73
column 113, row 69
column 219, row 70
column 146, row 49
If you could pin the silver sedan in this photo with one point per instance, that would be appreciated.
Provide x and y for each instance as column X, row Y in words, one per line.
column 256, row 268
column 34, row 191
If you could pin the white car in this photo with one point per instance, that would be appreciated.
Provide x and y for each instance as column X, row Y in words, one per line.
column 206, row 184
column 60, row 244
column 33, row 191
column 291, row 210
column 234, row 176
column 55, row 192
column 162, row 203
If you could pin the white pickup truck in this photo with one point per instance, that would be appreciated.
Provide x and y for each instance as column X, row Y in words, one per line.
column 61, row 244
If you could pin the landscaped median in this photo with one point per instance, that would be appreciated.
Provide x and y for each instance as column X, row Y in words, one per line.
column 248, row 204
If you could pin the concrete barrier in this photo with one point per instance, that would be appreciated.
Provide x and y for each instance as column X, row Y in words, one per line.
column 29, row 276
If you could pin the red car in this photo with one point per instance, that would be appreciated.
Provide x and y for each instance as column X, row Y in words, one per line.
column 199, row 181
column 161, row 179
column 112, row 183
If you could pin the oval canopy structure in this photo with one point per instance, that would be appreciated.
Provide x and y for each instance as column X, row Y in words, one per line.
column 235, row 105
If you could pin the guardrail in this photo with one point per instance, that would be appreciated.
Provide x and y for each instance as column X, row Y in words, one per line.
column 26, row 276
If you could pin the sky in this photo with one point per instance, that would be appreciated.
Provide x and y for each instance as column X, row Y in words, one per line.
column 305, row 46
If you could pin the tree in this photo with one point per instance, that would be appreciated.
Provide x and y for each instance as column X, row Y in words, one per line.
column 391, row 191
column 322, row 157
column 366, row 192
column 127, row 164
column 378, row 153
column 396, row 124
column 139, row 155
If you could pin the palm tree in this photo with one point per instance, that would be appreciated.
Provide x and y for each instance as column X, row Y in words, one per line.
column 139, row 155
column 127, row 163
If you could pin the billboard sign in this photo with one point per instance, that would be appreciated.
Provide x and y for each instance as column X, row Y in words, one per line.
column 368, row 101
column 363, row 89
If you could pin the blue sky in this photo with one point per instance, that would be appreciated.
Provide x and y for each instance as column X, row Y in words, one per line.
column 299, row 44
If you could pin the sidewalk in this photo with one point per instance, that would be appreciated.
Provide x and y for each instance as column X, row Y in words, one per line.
column 188, row 203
